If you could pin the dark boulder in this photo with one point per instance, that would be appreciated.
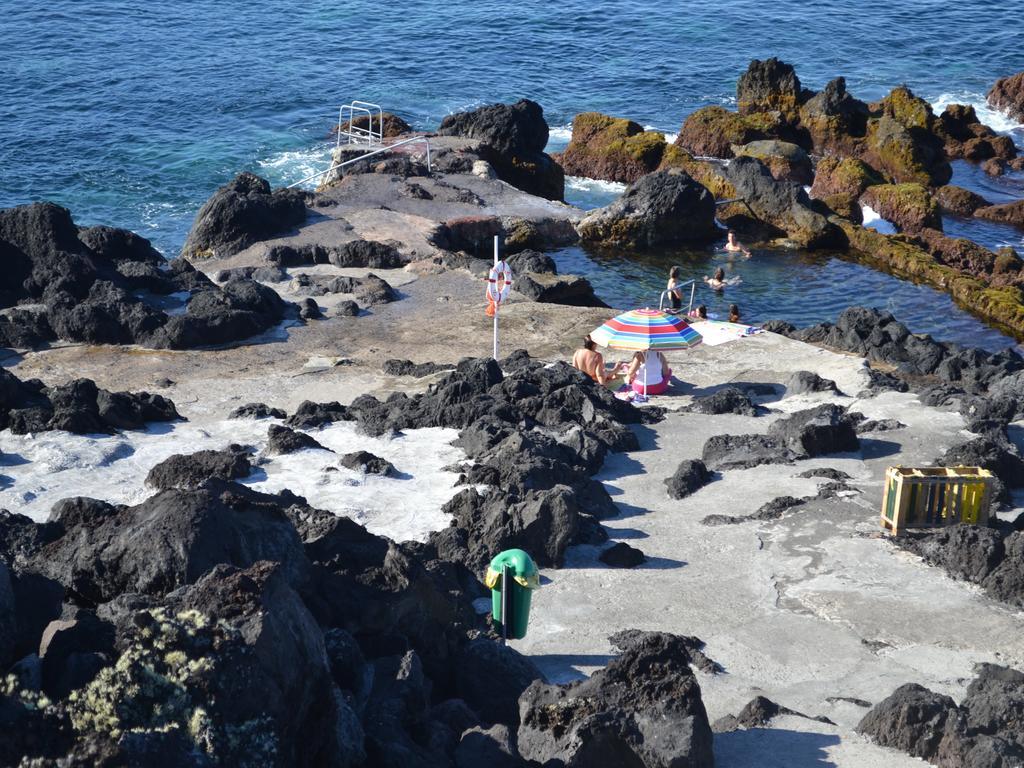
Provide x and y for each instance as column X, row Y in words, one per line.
column 723, row 452
column 366, row 253
column 367, row 463
column 190, row 471
column 73, row 649
column 805, row 382
column 167, row 541
column 281, row 440
column 572, row 290
column 726, row 400
column 642, row 709
column 834, row 118
column 257, row 411
column 661, row 208
column 817, row 431
column 416, row 370
column 758, row 713
column 781, row 205
column 769, row 86
column 513, row 137
column 1007, row 95
column 614, row 149
column 242, row 212
column 494, row 747
column 622, row 555
column 532, row 261
column 912, row 719
column 689, row 477
column 310, row 415
column 490, row 677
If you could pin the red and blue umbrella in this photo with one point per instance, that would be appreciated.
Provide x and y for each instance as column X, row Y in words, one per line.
column 643, row 329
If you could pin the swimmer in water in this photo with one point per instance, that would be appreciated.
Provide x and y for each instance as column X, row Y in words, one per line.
column 732, row 245
column 719, row 281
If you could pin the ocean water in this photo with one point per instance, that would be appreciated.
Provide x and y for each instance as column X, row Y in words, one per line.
column 131, row 114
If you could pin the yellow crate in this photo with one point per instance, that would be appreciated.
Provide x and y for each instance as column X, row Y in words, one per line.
column 929, row 497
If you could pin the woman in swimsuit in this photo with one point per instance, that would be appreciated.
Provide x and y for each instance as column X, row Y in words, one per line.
column 674, row 294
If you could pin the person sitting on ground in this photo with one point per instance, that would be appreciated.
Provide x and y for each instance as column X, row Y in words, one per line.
column 648, row 373
column 700, row 313
column 734, row 313
column 675, row 294
column 591, row 362
column 732, row 245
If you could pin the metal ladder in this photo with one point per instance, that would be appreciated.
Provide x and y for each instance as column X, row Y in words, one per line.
column 665, row 295
column 370, row 136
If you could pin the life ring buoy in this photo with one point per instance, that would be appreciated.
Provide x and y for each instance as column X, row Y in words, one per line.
column 500, row 273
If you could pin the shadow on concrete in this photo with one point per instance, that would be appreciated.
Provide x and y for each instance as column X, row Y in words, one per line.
column 773, row 748
column 873, row 448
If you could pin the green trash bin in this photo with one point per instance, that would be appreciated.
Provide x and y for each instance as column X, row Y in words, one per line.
column 524, row 579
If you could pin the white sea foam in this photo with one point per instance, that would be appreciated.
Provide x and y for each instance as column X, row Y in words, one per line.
column 594, row 186
column 50, row 466
column 873, row 221
column 669, row 137
column 993, row 118
column 559, row 137
column 293, row 165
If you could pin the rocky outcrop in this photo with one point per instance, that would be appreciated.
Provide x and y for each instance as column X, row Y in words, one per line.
column 242, row 212
column 282, row 440
column 713, row 131
column 840, row 181
column 984, row 729
column 662, row 207
column 513, row 137
column 784, row 160
column 614, row 149
column 368, row 463
column 769, row 86
column 879, row 337
column 573, row 290
column 959, row 201
column 834, row 120
column 690, row 476
column 967, row 137
column 643, row 709
column 725, row 400
column 909, row 206
column 390, row 125
column 190, row 471
column 97, row 294
column 783, row 206
column 1005, row 213
column 1007, row 95
column 78, row 406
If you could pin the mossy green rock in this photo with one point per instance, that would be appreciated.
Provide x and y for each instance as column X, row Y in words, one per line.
column 610, row 148
column 785, row 160
column 905, row 155
column 711, row 131
column 909, row 206
column 959, row 201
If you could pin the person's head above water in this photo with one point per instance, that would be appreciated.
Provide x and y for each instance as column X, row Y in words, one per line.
column 720, row 275
column 732, row 237
column 702, row 312
column 734, row 310
column 675, row 273
column 588, row 343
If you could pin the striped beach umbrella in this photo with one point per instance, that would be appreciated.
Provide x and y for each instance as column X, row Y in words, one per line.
column 643, row 329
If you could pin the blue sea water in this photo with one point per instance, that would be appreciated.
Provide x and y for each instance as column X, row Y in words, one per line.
column 131, row 113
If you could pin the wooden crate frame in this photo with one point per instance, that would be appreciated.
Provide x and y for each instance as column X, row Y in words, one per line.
column 933, row 497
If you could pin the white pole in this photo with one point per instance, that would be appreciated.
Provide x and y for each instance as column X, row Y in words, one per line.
column 693, row 290
column 497, row 304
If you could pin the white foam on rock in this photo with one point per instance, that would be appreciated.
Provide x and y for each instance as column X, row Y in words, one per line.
column 993, row 118
column 559, row 137
column 47, row 467
column 872, row 220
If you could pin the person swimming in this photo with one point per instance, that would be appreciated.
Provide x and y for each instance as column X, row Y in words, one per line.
column 719, row 281
column 732, row 245
column 674, row 293
column 700, row 313
column 734, row 313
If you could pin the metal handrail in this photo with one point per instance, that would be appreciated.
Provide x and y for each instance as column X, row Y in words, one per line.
column 366, row 157
column 358, row 135
column 666, row 292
